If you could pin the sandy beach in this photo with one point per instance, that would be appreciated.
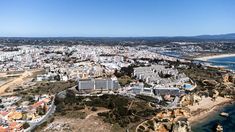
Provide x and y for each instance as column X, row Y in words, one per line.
column 206, row 58
column 206, row 107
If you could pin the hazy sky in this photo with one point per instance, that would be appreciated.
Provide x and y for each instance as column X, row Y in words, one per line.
column 55, row 18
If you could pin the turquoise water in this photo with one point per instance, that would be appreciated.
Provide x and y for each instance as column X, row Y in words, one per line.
column 187, row 86
column 207, row 124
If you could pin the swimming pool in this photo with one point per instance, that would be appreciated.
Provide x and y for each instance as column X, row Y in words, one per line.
column 187, row 86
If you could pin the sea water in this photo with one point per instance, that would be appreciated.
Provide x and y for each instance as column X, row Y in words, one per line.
column 207, row 124
column 228, row 62
column 228, row 123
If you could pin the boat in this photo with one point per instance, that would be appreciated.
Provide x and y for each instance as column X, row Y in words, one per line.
column 224, row 114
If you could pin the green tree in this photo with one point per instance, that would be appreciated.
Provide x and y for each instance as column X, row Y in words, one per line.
column 26, row 125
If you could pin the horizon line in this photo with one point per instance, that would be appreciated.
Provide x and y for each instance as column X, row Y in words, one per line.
column 162, row 36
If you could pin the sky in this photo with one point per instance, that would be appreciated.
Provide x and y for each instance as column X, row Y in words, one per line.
column 115, row 18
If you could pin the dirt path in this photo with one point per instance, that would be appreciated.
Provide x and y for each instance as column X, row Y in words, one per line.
column 15, row 82
column 96, row 112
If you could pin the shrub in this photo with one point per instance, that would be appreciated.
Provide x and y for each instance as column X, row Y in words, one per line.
column 26, row 125
column 93, row 109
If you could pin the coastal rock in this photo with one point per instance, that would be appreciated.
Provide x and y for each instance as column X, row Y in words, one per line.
column 181, row 126
column 190, row 100
column 219, row 128
column 215, row 93
column 210, row 82
column 228, row 78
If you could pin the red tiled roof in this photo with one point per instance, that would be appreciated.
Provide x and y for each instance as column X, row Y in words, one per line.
column 3, row 113
column 46, row 100
column 37, row 104
column 2, row 129
column 15, row 126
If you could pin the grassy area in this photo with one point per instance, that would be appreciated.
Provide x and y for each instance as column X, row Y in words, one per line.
column 123, row 110
column 39, row 72
column 203, row 74
column 73, row 114
column 124, row 80
column 14, row 72
column 48, row 88
column 214, row 80
column 200, row 74
column 4, row 78
column 117, row 128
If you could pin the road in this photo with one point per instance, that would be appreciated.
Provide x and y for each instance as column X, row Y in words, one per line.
column 44, row 119
column 174, row 103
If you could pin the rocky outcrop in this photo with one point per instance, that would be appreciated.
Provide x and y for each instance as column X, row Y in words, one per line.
column 210, row 82
column 181, row 126
column 167, row 121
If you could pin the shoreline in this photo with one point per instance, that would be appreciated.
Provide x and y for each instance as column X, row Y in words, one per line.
column 206, row 58
column 204, row 113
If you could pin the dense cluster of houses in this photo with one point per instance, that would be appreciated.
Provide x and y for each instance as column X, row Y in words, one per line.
column 13, row 115
column 160, row 75
column 97, row 59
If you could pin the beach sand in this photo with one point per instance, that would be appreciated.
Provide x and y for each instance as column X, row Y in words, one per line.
column 205, row 107
column 206, row 58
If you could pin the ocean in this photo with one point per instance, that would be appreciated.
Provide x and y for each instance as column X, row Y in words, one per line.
column 228, row 62
column 207, row 124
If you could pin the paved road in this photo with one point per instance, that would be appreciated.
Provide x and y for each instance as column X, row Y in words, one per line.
column 44, row 119
column 174, row 103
